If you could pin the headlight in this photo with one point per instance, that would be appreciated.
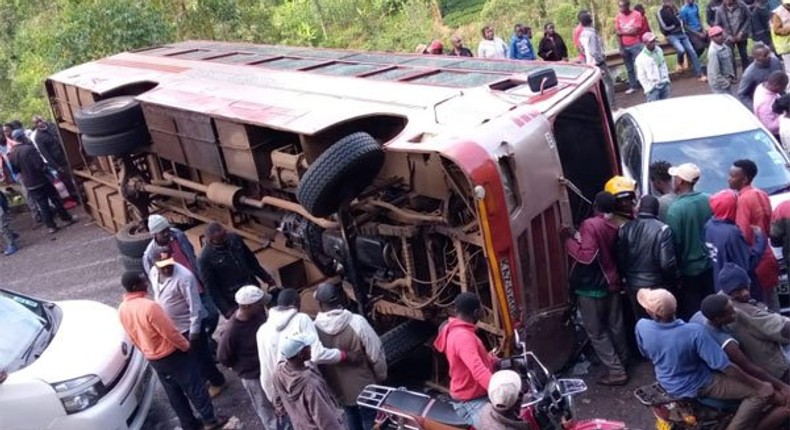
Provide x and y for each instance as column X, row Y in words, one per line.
column 80, row 393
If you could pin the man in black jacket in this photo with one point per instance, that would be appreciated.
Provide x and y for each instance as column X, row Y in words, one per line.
column 646, row 253
column 46, row 139
column 227, row 264
column 26, row 160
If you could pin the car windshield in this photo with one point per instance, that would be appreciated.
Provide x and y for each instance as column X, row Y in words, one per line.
column 25, row 326
column 715, row 155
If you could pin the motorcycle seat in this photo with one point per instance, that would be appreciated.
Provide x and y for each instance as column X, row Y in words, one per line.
column 440, row 411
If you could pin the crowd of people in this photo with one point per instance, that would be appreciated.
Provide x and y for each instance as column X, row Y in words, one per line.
column 34, row 167
column 701, row 284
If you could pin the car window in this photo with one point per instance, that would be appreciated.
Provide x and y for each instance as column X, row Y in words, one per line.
column 715, row 155
column 25, row 326
column 630, row 146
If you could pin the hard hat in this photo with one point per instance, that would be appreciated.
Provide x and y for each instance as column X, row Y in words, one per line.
column 620, row 186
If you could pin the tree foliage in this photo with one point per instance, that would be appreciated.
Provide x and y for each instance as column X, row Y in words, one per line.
column 40, row 37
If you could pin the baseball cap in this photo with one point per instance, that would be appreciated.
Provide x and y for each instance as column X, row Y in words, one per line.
column 659, row 301
column 715, row 31
column 435, row 46
column 688, row 172
column 164, row 263
column 157, row 224
column 504, row 389
column 17, row 134
column 294, row 344
column 328, row 294
column 648, row 37
column 251, row 294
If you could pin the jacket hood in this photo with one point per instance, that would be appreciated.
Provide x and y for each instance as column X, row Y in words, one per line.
column 724, row 205
column 334, row 321
column 280, row 317
column 452, row 324
column 295, row 381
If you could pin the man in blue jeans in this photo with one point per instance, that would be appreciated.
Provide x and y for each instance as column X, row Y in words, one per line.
column 629, row 26
column 672, row 28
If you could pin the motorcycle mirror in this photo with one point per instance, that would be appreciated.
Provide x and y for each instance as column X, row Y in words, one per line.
column 516, row 337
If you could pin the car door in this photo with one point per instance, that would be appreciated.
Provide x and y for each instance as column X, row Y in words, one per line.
column 631, row 148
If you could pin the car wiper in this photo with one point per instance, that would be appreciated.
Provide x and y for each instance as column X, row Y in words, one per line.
column 780, row 189
column 26, row 355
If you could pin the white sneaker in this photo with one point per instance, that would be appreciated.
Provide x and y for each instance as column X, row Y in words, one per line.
column 630, row 91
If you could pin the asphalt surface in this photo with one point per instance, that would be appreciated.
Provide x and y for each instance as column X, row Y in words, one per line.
column 82, row 262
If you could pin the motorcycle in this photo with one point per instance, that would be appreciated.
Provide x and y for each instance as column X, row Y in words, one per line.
column 546, row 405
column 685, row 414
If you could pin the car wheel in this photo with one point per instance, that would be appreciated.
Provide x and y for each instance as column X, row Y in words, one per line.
column 125, row 142
column 132, row 263
column 132, row 240
column 340, row 174
column 399, row 342
column 111, row 116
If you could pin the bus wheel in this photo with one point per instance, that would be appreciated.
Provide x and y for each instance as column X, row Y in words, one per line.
column 132, row 263
column 132, row 240
column 399, row 342
column 123, row 143
column 340, row 174
column 111, row 116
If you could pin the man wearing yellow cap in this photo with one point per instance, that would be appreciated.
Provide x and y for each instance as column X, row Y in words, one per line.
column 624, row 191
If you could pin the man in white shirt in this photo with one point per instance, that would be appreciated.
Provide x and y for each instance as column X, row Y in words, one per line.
column 651, row 70
column 491, row 46
column 175, row 289
column 594, row 55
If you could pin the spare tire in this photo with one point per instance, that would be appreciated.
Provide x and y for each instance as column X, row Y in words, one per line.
column 132, row 263
column 340, row 174
column 132, row 240
column 110, row 116
column 125, row 142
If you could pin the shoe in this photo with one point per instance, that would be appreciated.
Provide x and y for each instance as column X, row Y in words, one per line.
column 613, row 380
column 630, row 91
column 70, row 221
column 10, row 250
column 703, row 78
column 53, row 230
column 679, row 68
column 216, row 390
column 216, row 424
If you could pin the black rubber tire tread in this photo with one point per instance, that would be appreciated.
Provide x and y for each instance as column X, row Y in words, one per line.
column 123, row 143
column 399, row 342
column 315, row 250
column 110, row 116
column 340, row 174
column 132, row 243
column 132, row 263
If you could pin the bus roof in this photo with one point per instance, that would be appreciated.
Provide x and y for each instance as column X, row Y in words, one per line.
column 308, row 89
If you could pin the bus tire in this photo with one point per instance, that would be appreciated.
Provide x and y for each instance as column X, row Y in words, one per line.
column 315, row 250
column 340, row 174
column 132, row 241
column 399, row 342
column 110, row 116
column 125, row 142
column 132, row 263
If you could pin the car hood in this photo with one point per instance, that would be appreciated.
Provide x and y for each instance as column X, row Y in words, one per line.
column 88, row 342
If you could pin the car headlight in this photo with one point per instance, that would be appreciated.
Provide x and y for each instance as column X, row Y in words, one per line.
column 80, row 393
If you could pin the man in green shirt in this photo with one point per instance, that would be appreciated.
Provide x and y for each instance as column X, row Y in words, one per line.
column 687, row 217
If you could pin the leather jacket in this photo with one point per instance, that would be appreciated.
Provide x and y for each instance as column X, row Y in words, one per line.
column 646, row 253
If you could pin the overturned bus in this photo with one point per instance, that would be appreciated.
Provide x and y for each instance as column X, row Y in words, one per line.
column 410, row 178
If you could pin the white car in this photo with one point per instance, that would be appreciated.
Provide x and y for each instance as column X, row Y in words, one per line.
column 70, row 366
column 711, row 131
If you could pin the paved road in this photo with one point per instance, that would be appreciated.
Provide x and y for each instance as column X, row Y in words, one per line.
column 81, row 262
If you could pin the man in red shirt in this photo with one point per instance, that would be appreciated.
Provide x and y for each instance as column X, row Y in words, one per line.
column 754, row 211
column 629, row 26
column 471, row 366
column 157, row 337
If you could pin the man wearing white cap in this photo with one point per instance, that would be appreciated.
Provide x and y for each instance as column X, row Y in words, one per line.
column 689, row 363
column 300, row 389
column 238, row 350
column 687, row 217
column 175, row 289
column 166, row 236
column 504, row 407
column 651, row 70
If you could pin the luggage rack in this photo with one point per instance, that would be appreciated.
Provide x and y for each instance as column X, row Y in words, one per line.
column 654, row 394
column 376, row 396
